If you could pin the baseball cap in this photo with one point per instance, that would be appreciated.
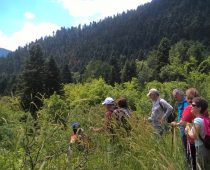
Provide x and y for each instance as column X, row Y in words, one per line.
column 75, row 125
column 108, row 100
column 153, row 90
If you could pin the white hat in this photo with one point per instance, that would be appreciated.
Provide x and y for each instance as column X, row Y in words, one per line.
column 108, row 100
column 153, row 91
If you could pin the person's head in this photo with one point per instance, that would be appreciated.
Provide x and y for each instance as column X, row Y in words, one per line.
column 199, row 105
column 153, row 94
column 190, row 94
column 75, row 126
column 108, row 103
column 178, row 94
column 121, row 102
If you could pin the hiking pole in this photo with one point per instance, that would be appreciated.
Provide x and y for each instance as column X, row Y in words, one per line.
column 173, row 139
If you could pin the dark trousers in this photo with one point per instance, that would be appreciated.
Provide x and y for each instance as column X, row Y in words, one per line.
column 189, row 150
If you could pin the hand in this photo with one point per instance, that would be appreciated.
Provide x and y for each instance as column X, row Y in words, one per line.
column 173, row 124
column 163, row 120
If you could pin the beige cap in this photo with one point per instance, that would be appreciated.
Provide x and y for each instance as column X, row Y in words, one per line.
column 153, row 90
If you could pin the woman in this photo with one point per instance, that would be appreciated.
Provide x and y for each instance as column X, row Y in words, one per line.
column 199, row 107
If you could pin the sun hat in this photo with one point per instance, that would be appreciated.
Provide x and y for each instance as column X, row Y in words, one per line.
column 152, row 91
column 108, row 101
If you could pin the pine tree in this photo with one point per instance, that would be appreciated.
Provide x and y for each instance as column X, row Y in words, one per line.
column 163, row 53
column 115, row 71
column 32, row 81
column 52, row 80
column 128, row 71
column 66, row 75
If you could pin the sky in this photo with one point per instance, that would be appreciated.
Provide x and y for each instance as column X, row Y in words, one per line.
column 23, row 21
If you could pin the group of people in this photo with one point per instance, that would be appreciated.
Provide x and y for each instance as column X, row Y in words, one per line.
column 115, row 121
column 117, row 114
column 192, row 120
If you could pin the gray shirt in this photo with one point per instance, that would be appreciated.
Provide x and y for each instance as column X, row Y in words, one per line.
column 158, row 112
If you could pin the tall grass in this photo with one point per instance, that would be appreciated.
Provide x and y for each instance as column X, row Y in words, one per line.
column 141, row 150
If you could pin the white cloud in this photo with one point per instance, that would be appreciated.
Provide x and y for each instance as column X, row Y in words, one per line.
column 86, row 10
column 29, row 15
column 28, row 33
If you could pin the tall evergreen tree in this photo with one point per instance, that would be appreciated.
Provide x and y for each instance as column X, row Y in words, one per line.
column 66, row 75
column 32, row 81
column 115, row 71
column 53, row 80
column 128, row 71
column 163, row 53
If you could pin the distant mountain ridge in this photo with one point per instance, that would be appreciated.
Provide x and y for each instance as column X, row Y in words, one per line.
column 4, row 52
column 130, row 34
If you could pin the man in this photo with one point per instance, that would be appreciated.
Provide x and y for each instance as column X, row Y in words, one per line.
column 161, row 110
column 178, row 95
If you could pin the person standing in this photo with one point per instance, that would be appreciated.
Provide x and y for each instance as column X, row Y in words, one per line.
column 161, row 110
column 197, row 132
column 114, row 148
column 187, row 118
column 178, row 95
column 109, row 105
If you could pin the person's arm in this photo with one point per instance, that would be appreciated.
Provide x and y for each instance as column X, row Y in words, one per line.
column 104, row 126
column 182, row 123
column 97, row 129
column 167, row 107
column 194, row 132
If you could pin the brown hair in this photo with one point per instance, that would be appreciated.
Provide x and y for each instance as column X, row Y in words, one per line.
column 202, row 103
column 121, row 102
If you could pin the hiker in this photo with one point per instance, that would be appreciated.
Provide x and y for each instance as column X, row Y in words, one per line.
column 110, row 107
column 178, row 95
column 123, row 105
column 121, row 114
column 79, row 138
column 114, row 148
column 198, row 132
column 187, row 118
column 161, row 110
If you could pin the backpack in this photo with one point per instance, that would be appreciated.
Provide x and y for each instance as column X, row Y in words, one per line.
column 206, row 139
column 121, row 116
column 172, row 115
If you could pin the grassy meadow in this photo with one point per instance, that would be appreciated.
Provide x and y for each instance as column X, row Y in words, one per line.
column 43, row 144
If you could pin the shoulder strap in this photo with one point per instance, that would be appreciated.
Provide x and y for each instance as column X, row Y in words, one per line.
column 161, row 105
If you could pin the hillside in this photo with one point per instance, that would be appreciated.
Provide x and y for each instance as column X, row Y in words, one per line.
column 130, row 35
column 55, row 81
column 3, row 52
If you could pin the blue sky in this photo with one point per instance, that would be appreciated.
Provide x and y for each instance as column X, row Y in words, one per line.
column 23, row 21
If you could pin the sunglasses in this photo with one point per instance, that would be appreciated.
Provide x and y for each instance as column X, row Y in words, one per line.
column 194, row 105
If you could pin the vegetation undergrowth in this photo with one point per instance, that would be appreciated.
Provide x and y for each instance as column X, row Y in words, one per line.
column 43, row 144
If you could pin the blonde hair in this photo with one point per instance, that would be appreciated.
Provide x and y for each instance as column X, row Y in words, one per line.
column 192, row 91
